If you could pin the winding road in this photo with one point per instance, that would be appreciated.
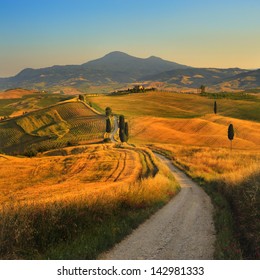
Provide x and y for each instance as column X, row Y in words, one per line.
column 181, row 230
column 113, row 133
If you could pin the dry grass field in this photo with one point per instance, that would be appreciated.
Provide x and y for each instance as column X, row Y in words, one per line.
column 209, row 131
column 79, row 172
column 76, row 202
column 15, row 93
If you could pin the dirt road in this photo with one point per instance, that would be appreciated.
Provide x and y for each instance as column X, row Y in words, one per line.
column 183, row 229
column 113, row 133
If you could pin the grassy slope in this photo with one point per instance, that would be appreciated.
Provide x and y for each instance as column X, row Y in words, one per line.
column 176, row 105
column 51, row 127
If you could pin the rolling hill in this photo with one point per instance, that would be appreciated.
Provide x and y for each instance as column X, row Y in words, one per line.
column 117, row 69
column 52, row 127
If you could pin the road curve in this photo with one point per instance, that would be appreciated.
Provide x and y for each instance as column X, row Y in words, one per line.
column 181, row 230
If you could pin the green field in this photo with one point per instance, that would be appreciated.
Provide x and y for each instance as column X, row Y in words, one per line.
column 178, row 105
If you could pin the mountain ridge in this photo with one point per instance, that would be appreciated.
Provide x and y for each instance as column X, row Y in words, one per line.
column 118, row 69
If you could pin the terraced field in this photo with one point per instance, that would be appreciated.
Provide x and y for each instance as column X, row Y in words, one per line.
column 52, row 127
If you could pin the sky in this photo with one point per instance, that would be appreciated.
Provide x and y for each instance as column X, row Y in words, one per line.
column 198, row 33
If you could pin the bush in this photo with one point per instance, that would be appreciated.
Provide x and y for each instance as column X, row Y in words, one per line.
column 107, row 140
column 30, row 153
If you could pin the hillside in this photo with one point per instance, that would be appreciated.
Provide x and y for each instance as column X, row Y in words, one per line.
column 209, row 131
column 56, row 126
column 187, row 119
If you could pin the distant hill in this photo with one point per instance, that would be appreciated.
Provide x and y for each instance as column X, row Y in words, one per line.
column 115, row 67
column 219, row 79
column 118, row 69
column 244, row 80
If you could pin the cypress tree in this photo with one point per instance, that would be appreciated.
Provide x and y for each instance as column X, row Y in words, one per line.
column 126, row 128
column 215, row 107
column 108, row 111
column 81, row 97
column 231, row 134
column 121, row 122
column 122, row 135
column 108, row 125
column 126, row 131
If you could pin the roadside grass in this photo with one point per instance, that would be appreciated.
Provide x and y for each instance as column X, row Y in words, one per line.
column 83, row 226
column 233, row 182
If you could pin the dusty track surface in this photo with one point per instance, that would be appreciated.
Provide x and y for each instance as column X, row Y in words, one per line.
column 183, row 229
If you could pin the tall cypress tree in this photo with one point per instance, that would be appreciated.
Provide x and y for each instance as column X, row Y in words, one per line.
column 126, row 131
column 122, row 122
column 123, row 129
column 215, row 107
column 231, row 134
column 108, row 125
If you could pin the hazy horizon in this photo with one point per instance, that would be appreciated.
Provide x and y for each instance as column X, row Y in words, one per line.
column 38, row 34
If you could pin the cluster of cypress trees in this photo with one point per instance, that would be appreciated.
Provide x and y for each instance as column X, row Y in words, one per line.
column 123, row 125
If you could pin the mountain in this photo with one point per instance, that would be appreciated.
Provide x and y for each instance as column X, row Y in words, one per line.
column 118, row 69
column 115, row 67
column 119, row 62
column 244, row 80
column 195, row 77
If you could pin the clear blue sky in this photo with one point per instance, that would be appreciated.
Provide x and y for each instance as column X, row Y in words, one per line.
column 201, row 33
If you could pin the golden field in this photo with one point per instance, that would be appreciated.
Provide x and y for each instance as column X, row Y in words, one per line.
column 187, row 119
column 79, row 193
column 78, row 204
column 210, row 131
column 81, row 172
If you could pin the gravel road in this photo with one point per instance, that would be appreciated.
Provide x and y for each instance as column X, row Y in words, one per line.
column 181, row 230
column 113, row 133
